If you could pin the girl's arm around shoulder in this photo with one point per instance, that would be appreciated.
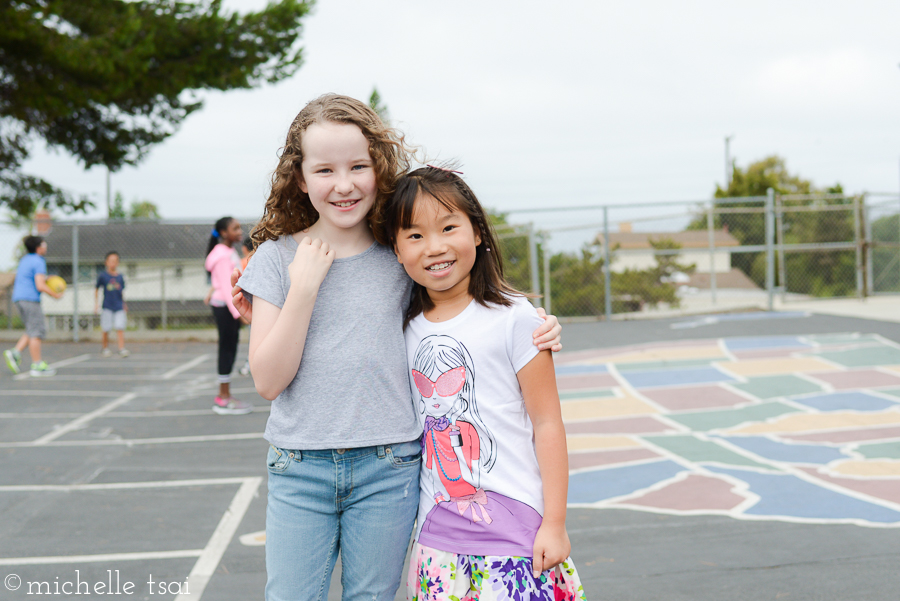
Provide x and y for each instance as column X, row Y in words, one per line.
column 537, row 380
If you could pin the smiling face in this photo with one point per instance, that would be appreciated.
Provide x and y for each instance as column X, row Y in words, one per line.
column 438, row 249
column 338, row 174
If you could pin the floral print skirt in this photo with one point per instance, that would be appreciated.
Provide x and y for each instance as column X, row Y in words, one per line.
column 443, row 576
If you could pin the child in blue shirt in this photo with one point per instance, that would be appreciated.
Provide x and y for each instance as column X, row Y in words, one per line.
column 31, row 280
column 113, row 315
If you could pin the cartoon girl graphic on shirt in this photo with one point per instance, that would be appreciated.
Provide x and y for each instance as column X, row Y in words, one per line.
column 459, row 448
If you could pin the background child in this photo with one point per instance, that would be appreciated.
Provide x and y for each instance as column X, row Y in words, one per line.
column 492, row 505
column 113, row 316
column 327, row 348
column 31, row 280
column 221, row 259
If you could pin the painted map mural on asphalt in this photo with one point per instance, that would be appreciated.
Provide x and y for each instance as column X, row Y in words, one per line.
column 797, row 428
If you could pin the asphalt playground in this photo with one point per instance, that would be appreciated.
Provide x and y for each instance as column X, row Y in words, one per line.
column 743, row 457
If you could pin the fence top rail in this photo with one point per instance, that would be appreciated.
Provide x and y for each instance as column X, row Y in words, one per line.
column 633, row 205
column 819, row 196
column 705, row 201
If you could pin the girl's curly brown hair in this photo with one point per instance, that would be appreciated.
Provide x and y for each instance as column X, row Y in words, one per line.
column 288, row 209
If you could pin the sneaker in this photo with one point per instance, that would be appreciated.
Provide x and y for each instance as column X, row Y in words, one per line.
column 245, row 370
column 13, row 360
column 41, row 369
column 231, row 406
column 123, row 352
column 106, row 353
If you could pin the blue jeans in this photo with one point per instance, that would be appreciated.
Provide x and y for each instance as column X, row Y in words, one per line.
column 361, row 502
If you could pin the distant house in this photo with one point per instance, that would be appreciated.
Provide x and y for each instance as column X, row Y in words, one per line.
column 632, row 250
column 165, row 280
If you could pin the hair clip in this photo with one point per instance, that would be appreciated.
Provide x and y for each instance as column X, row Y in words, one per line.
column 214, row 233
column 445, row 169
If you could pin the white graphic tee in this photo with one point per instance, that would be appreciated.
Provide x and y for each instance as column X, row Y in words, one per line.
column 481, row 491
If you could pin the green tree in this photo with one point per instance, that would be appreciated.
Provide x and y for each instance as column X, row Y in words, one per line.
column 515, row 252
column 750, row 228
column 143, row 209
column 379, row 106
column 105, row 80
column 117, row 207
column 820, row 273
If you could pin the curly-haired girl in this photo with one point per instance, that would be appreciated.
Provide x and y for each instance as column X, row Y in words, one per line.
column 327, row 348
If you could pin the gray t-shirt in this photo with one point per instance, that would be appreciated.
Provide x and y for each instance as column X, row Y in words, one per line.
column 351, row 389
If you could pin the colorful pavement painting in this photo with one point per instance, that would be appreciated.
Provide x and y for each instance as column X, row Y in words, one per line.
column 803, row 429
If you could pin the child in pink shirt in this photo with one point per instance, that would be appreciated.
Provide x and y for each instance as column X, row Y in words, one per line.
column 221, row 259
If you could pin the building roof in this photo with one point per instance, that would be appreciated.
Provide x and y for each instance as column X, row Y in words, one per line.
column 687, row 239
column 133, row 240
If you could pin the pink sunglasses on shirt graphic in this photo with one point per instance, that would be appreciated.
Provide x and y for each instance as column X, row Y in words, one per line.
column 447, row 384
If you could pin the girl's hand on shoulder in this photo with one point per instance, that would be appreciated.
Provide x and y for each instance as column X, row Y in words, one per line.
column 311, row 264
column 237, row 297
column 548, row 334
column 551, row 547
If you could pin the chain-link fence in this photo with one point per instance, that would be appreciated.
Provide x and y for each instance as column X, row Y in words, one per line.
column 883, row 251
column 727, row 253
column 696, row 256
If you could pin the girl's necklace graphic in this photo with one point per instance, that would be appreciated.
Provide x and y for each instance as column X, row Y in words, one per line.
column 434, row 442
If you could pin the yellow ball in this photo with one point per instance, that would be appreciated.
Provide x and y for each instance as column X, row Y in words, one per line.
column 56, row 284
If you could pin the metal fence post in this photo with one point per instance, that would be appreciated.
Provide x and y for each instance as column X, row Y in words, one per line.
column 770, row 247
column 164, row 313
column 547, row 303
column 858, row 239
column 710, row 226
column 779, row 240
column 607, row 268
column 867, row 232
column 9, row 308
column 533, row 260
column 75, row 270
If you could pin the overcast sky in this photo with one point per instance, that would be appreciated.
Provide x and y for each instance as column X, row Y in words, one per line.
column 558, row 103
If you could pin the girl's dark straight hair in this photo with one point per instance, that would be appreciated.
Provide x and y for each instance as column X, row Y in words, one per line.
column 486, row 284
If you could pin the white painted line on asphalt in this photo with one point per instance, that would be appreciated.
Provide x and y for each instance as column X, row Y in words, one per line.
column 39, row 415
column 133, row 441
column 81, row 421
column 174, row 372
column 209, row 560
column 120, row 485
column 32, row 561
column 56, row 393
column 58, row 364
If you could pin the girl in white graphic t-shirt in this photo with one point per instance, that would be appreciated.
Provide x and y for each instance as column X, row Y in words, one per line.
column 494, row 474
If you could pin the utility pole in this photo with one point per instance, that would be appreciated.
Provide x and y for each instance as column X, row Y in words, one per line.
column 728, row 169
column 108, row 201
